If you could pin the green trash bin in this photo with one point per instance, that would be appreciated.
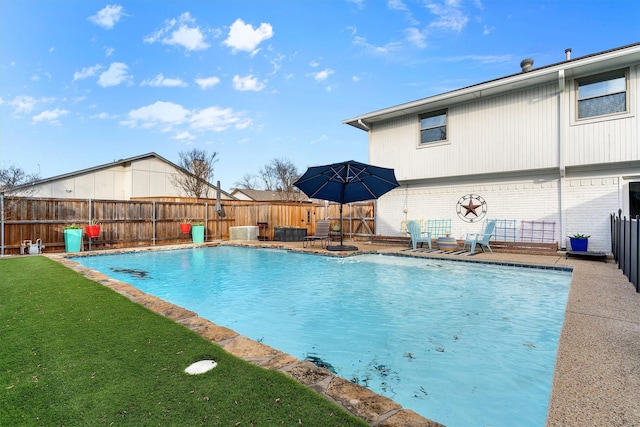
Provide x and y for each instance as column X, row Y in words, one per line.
column 197, row 233
column 72, row 239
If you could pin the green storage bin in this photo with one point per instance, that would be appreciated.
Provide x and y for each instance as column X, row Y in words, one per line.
column 197, row 233
column 73, row 239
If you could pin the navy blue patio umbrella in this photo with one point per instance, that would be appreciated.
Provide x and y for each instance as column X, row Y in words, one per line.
column 346, row 182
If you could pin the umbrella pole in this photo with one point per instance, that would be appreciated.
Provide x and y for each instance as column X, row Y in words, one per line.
column 341, row 227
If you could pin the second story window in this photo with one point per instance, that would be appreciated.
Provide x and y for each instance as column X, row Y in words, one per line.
column 433, row 127
column 602, row 94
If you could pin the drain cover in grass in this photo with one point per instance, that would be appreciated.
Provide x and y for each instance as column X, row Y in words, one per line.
column 200, row 367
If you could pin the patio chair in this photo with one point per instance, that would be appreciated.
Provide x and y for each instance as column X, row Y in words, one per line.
column 481, row 239
column 417, row 235
column 322, row 234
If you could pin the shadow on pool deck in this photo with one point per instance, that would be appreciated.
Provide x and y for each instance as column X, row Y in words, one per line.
column 597, row 375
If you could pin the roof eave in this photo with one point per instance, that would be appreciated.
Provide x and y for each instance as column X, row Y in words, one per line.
column 544, row 75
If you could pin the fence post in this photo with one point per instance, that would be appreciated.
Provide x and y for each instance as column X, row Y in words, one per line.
column 637, row 248
column 612, row 229
column 2, row 224
column 153, row 223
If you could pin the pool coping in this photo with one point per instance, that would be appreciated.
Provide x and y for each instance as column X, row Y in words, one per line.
column 597, row 370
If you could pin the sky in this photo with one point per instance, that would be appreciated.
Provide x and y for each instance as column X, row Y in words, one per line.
column 85, row 83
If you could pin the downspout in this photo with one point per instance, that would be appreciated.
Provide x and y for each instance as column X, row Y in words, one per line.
column 361, row 123
column 562, row 121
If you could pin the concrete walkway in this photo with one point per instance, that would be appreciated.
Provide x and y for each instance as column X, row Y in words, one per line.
column 597, row 375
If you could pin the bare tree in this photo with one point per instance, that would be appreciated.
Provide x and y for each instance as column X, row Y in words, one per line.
column 279, row 175
column 249, row 182
column 196, row 174
column 14, row 176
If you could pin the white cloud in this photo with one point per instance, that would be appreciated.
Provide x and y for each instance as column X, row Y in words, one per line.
column 207, row 82
column 243, row 37
column 26, row 104
column 450, row 15
column 247, row 83
column 322, row 75
column 484, row 59
column 86, row 72
column 23, row 104
column 103, row 116
column 397, row 5
column 181, row 32
column 160, row 112
column 277, row 63
column 488, row 30
column 387, row 49
column 167, row 116
column 50, row 116
column 116, row 74
column 108, row 51
column 184, row 136
column 108, row 17
column 416, row 37
column 162, row 81
column 218, row 119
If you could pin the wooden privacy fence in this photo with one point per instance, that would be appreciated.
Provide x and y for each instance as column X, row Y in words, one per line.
column 149, row 222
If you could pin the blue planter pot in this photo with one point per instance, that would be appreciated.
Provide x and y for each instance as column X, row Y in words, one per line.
column 72, row 239
column 579, row 245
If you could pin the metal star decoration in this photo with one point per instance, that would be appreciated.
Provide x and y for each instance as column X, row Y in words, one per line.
column 470, row 208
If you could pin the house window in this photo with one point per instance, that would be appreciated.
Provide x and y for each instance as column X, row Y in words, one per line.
column 602, row 94
column 433, row 127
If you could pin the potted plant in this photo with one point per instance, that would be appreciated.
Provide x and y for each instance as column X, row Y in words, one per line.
column 93, row 229
column 72, row 238
column 185, row 226
column 579, row 242
column 197, row 232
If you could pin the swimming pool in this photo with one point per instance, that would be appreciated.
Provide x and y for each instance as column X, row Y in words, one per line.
column 465, row 344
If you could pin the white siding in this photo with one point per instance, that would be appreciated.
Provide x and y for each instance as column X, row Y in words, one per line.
column 142, row 178
column 527, row 158
column 152, row 177
column 516, row 131
column 606, row 139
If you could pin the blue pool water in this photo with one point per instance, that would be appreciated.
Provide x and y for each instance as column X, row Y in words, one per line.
column 465, row 344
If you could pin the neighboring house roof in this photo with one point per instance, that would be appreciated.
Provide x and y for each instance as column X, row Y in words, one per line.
column 268, row 196
column 621, row 56
column 106, row 166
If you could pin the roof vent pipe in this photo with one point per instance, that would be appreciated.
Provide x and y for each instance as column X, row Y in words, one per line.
column 526, row 65
column 568, row 53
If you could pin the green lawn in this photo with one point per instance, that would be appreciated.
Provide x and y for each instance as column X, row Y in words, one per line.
column 73, row 352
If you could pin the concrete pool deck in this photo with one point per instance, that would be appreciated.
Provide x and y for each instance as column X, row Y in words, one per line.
column 597, row 375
